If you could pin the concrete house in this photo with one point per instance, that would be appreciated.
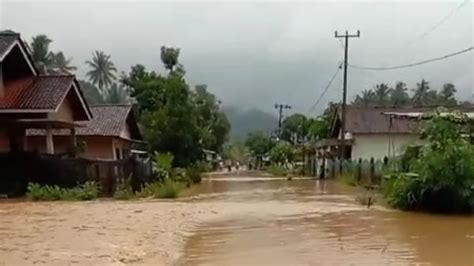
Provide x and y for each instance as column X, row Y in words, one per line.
column 377, row 132
column 110, row 134
column 370, row 133
column 29, row 100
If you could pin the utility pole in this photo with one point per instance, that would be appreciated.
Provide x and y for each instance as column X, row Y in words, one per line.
column 342, row 147
column 280, row 108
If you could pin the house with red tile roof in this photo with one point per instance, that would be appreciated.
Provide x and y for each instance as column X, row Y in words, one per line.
column 29, row 100
column 110, row 134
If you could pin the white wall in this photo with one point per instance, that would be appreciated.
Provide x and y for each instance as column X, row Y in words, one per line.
column 377, row 145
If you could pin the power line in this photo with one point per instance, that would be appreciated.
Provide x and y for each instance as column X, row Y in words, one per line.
column 414, row 64
column 311, row 109
column 440, row 22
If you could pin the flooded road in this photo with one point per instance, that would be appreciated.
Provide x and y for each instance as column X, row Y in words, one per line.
column 310, row 222
column 232, row 220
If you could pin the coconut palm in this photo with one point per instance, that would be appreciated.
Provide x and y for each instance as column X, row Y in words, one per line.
column 117, row 94
column 399, row 95
column 103, row 70
column 366, row 98
column 447, row 94
column 42, row 57
column 382, row 94
column 422, row 94
column 60, row 63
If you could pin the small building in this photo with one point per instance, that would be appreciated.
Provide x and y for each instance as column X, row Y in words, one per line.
column 375, row 132
column 29, row 100
column 109, row 135
column 369, row 133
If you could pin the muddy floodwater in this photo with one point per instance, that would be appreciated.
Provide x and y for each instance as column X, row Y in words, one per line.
column 310, row 222
column 234, row 219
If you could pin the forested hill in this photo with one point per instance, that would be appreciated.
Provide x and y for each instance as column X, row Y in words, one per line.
column 250, row 120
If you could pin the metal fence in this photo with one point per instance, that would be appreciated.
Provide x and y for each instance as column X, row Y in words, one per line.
column 18, row 169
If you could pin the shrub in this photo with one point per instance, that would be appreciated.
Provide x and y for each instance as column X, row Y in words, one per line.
column 87, row 191
column 169, row 189
column 277, row 170
column 443, row 179
column 166, row 189
column 194, row 174
column 162, row 164
column 123, row 192
column 203, row 166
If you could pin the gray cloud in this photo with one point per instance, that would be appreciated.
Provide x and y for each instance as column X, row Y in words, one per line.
column 256, row 54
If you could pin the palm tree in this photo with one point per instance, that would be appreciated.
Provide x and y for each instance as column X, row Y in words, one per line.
column 103, row 70
column 61, row 63
column 366, row 98
column 422, row 94
column 42, row 57
column 399, row 95
column 117, row 94
column 447, row 94
column 382, row 94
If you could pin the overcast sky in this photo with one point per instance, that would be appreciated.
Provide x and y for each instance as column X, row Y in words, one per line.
column 257, row 54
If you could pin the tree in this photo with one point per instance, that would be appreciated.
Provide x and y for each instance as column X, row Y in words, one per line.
column 60, row 63
column 318, row 129
column 446, row 96
column 399, row 96
column 91, row 93
column 116, row 95
column 422, row 95
column 103, row 71
column 235, row 151
column 212, row 122
column 282, row 152
column 367, row 98
column 169, row 57
column 294, row 128
column 175, row 118
column 382, row 94
column 42, row 57
column 258, row 143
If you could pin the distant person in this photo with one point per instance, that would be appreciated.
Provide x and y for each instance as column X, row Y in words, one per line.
column 237, row 165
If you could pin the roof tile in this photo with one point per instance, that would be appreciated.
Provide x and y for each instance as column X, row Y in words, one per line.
column 7, row 38
column 40, row 92
column 108, row 120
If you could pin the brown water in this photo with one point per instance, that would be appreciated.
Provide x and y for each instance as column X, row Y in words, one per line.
column 309, row 222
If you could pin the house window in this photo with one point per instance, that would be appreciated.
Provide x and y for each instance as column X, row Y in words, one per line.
column 117, row 153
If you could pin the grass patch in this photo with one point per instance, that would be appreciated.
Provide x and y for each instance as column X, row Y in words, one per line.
column 87, row 191
column 168, row 189
column 277, row 170
column 347, row 179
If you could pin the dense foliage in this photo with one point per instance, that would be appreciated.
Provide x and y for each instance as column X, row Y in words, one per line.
column 442, row 177
column 175, row 118
column 259, row 143
column 282, row 152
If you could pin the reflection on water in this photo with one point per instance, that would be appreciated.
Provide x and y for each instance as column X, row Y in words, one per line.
column 309, row 222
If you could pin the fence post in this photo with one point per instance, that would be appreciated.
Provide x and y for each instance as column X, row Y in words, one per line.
column 333, row 168
column 372, row 170
column 359, row 170
column 322, row 170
